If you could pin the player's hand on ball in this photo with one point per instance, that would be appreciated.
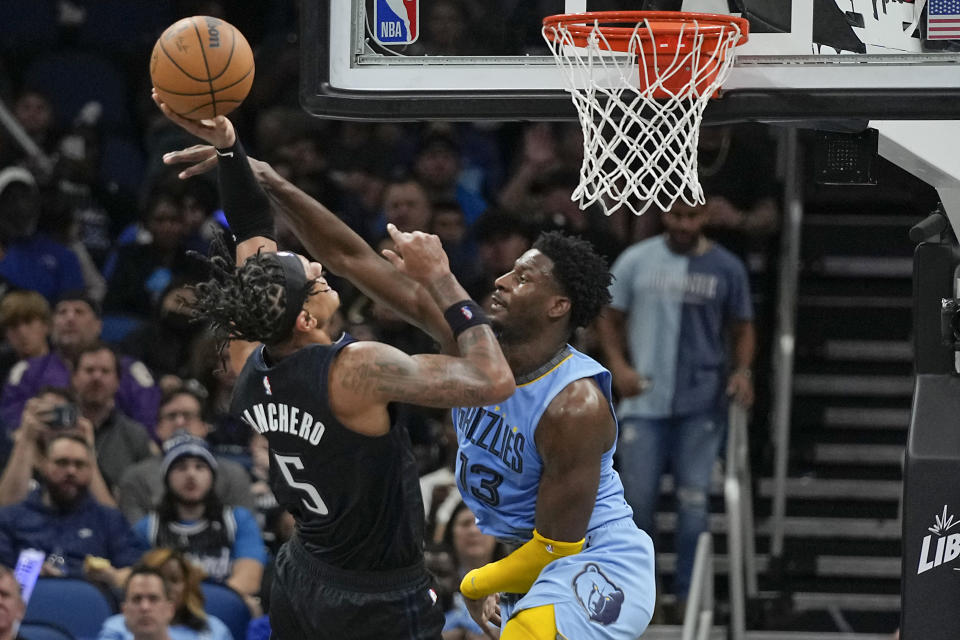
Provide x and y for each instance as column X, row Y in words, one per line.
column 486, row 612
column 218, row 131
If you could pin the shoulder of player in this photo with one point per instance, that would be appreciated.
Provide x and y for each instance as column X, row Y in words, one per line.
column 578, row 409
column 360, row 364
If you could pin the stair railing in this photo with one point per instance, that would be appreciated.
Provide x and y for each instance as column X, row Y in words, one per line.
column 785, row 337
column 17, row 132
column 741, row 551
column 698, row 618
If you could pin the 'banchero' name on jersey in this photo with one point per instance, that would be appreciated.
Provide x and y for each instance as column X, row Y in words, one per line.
column 498, row 465
column 355, row 498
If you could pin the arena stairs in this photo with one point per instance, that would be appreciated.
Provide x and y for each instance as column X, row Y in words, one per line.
column 839, row 577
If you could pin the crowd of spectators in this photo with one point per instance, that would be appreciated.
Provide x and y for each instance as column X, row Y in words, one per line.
column 113, row 408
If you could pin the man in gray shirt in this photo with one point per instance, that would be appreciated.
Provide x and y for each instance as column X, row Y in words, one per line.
column 141, row 486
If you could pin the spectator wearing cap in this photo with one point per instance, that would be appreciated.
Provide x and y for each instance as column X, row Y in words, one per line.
column 81, row 537
column 32, row 260
column 119, row 441
column 141, row 486
column 224, row 541
column 25, row 322
column 76, row 324
column 437, row 167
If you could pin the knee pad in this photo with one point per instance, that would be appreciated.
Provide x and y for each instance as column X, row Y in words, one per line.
column 537, row 623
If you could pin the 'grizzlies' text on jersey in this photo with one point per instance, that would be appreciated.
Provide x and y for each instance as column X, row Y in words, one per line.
column 355, row 498
column 498, row 465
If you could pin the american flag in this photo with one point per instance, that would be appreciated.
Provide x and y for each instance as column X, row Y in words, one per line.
column 943, row 20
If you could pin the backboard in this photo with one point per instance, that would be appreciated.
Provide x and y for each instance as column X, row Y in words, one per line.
column 463, row 60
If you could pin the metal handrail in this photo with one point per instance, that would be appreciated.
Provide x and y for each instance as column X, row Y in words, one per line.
column 17, row 132
column 785, row 337
column 738, row 497
column 698, row 619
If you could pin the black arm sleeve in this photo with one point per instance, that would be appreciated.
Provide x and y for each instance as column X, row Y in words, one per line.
column 245, row 205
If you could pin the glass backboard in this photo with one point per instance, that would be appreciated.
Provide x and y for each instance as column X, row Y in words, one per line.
column 467, row 60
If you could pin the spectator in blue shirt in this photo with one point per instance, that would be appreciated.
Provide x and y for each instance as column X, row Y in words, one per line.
column 61, row 519
column 32, row 260
column 677, row 299
column 225, row 541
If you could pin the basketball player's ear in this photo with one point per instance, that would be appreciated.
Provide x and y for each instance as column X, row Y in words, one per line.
column 305, row 321
column 559, row 307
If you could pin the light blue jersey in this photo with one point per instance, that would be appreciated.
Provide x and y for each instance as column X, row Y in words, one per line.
column 499, row 467
column 606, row 591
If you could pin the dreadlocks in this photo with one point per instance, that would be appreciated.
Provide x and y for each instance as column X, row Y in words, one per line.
column 246, row 302
column 582, row 273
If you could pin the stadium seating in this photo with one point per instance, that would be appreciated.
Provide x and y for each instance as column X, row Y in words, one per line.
column 70, row 603
column 44, row 631
column 225, row 603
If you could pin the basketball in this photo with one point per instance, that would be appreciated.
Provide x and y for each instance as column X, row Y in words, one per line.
column 202, row 67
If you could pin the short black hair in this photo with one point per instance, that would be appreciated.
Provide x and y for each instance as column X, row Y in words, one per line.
column 581, row 272
column 141, row 569
column 80, row 295
column 96, row 347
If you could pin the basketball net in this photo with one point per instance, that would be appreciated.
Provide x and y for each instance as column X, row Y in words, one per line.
column 640, row 95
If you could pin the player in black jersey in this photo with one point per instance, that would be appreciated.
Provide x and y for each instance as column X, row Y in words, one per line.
column 354, row 568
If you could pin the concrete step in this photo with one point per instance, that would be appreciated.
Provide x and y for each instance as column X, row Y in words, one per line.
column 839, row 489
column 862, row 267
column 675, row 632
column 866, row 418
column 861, row 222
column 809, row 601
column 816, row 384
column 826, row 566
column 855, row 302
column 802, row 527
column 868, row 350
column 813, row 635
column 857, row 567
column 864, row 454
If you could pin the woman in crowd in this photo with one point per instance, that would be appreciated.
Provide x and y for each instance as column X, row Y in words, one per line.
column 190, row 621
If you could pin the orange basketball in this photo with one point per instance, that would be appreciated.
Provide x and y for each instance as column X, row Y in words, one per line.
column 202, row 67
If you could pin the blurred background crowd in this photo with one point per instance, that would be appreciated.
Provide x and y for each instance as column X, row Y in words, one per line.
column 95, row 238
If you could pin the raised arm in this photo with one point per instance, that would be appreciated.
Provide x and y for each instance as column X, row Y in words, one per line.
column 245, row 204
column 374, row 371
column 329, row 239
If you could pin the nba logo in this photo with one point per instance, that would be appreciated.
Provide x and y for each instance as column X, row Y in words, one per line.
column 396, row 21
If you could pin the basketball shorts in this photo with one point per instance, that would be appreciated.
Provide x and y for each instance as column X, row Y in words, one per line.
column 606, row 591
column 310, row 599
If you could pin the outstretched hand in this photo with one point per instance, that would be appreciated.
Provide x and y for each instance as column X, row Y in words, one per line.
column 486, row 613
column 217, row 131
column 417, row 254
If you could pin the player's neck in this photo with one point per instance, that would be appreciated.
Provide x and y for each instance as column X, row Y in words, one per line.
column 300, row 340
column 528, row 358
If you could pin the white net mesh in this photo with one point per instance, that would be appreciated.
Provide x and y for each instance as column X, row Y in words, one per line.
column 640, row 111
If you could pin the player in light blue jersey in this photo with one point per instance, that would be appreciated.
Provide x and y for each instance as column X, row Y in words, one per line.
column 536, row 469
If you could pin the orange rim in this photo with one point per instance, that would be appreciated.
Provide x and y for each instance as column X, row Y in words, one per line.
column 664, row 23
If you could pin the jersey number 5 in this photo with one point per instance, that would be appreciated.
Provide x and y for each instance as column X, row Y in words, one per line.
column 312, row 502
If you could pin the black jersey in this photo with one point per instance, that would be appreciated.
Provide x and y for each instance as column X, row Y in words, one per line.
column 356, row 498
